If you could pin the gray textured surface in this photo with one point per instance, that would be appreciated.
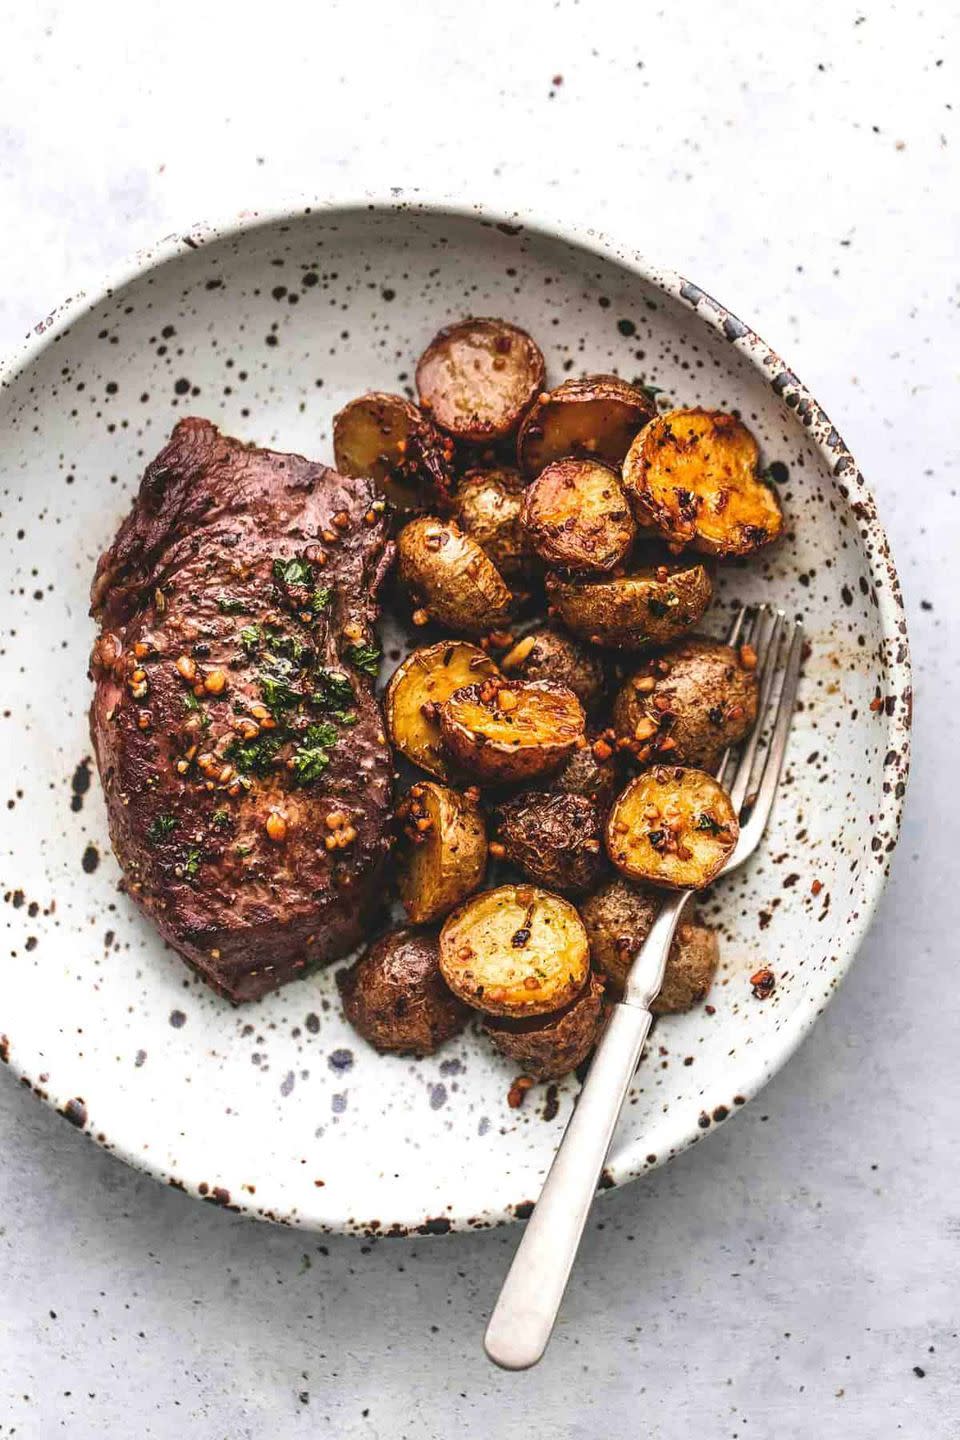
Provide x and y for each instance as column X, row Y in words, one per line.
column 785, row 1278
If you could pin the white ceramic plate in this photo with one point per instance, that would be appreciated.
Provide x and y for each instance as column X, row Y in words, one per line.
column 267, row 327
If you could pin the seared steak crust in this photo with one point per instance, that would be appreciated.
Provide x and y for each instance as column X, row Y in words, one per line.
column 240, row 745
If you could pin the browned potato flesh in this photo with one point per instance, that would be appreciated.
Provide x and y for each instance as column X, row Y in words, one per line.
column 688, row 703
column 443, row 850
column 548, row 1046
column 652, row 606
column 618, row 919
column 386, row 438
column 515, row 951
column 476, row 379
column 418, row 688
column 692, row 475
column 556, row 839
column 450, row 578
column 550, row 654
column 488, row 509
column 672, row 826
column 506, row 733
column 596, row 416
column 576, row 515
column 394, row 995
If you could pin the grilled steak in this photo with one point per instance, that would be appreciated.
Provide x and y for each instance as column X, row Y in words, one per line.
column 240, row 745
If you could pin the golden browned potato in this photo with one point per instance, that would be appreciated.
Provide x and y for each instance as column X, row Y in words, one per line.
column 692, row 476
column 555, row 838
column 417, row 689
column 443, row 853
column 488, row 509
column 598, row 416
column 387, row 439
column 618, row 919
column 450, row 578
column 507, row 733
column 576, row 515
column 590, row 771
column 477, row 378
column 516, row 951
column 394, row 995
column 551, row 654
column 548, row 1046
column 652, row 606
column 689, row 703
column 672, row 826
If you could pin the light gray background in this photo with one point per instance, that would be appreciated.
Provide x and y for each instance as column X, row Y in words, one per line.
column 785, row 1279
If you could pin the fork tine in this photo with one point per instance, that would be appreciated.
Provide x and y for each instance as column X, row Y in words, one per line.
column 777, row 748
column 767, row 651
column 737, row 625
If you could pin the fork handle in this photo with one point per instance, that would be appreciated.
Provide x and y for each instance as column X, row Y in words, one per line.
column 525, row 1313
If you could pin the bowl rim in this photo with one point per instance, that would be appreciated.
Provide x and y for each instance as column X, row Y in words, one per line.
column 630, row 1161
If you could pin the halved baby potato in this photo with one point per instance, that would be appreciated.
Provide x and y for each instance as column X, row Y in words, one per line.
column 488, row 509
column 598, row 415
column 417, row 689
column 443, row 854
column 515, row 950
column 387, row 439
column 477, row 378
column 692, row 475
column 506, row 733
column 549, row 653
column 651, row 606
column 450, row 578
column 618, row 919
column 576, row 515
column 672, row 826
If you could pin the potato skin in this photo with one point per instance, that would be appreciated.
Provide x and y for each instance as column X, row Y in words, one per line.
column 477, row 378
column 507, row 747
column 697, row 696
column 550, row 1046
column 651, row 606
column 618, row 918
column 450, row 577
column 672, row 826
column 583, row 774
column 598, row 415
column 556, row 839
column 692, row 475
column 551, row 654
column 388, row 439
column 395, row 997
column 516, row 950
column 487, row 508
column 417, row 689
column 576, row 516
column 443, row 850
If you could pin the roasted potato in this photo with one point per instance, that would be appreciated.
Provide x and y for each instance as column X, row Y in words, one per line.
column 508, row 733
column 550, row 654
column 692, row 476
column 387, row 439
column 689, row 703
column 450, row 578
column 556, row 839
column 672, row 827
column 488, row 509
column 575, row 515
column 596, row 416
column 548, row 1046
column 583, row 773
column 628, row 612
column 515, row 951
column 395, row 997
column 476, row 379
column 417, row 689
column 618, row 919
column 443, row 850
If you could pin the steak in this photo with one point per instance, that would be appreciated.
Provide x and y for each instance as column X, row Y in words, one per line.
column 240, row 745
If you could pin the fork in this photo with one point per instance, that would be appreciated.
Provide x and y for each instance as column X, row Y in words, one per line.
column 526, row 1310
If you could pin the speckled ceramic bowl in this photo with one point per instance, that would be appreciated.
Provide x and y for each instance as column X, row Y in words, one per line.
column 267, row 326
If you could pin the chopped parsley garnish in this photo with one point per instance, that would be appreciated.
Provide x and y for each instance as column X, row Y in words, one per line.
column 277, row 693
column 365, row 658
column 334, row 691
column 231, row 607
column 242, row 850
column 250, row 637
column 706, row 821
column 255, row 757
column 192, row 863
column 221, row 818
column 320, row 598
column 312, row 755
column 161, row 826
column 663, row 607
column 653, row 391
column 192, row 704
column 293, row 572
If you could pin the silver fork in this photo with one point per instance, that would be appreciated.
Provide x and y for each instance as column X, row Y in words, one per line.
column 527, row 1307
